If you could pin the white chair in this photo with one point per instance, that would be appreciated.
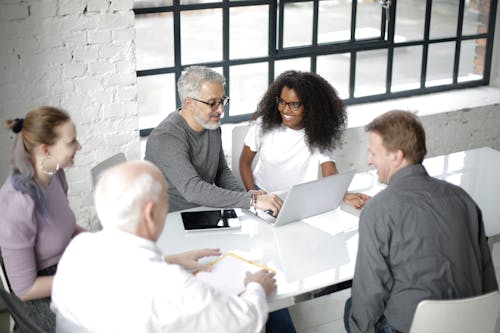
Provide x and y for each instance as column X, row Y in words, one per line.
column 237, row 140
column 109, row 162
column 474, row 314
column 3, row 276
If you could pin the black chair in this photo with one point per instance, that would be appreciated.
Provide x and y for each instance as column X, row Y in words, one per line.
column 24, row 324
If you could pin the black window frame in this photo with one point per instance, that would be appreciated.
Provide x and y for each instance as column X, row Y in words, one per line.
column 276, row 50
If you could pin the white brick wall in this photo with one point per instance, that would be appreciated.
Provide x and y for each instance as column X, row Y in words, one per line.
column 79, row 55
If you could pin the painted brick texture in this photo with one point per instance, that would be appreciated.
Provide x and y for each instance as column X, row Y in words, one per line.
column 78, row 55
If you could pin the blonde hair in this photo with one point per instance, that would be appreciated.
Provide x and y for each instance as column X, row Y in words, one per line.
column 38, row 127
column 401, row 130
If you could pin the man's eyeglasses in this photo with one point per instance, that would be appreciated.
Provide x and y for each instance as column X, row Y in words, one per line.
column 214, row 104
column 294, row 106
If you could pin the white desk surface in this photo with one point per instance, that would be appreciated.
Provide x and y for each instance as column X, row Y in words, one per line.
column 321, row 251
column 307, row 255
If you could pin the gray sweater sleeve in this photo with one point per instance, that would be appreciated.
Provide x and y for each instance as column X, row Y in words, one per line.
column 195, row 168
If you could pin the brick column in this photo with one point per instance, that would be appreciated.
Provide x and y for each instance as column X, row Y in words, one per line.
column 78, row 55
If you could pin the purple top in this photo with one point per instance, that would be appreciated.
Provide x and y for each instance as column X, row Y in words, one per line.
column 30, row 243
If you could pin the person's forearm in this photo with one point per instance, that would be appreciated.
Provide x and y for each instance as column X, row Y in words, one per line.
column 247, row 177
column 328, row 169
column 42, row 288
column 246, row 174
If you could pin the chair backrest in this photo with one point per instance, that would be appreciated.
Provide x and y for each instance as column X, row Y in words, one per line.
column 24, row 323
column 238, row 138
column 3, row 275
column 107, row 163
column 474, row 314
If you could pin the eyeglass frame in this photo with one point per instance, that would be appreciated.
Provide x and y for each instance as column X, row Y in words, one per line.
column 224, row 101
column 294, row 106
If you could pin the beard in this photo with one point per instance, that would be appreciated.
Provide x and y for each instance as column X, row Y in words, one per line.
column 207, row 124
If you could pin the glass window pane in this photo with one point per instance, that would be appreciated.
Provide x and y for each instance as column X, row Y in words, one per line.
column 444, row 18
column 370, row 73
column 155, row 98
column 410, row 21
column 335, row 69
column 297, row 24
column 248, row 85
column 406, row 68
column 369, row 19
column 472, row 57
column 154, row 42
column 298, row 64
column 334, row 21
column 440, row 64
column 251, row 22
column 476, row 14
column 201, row 36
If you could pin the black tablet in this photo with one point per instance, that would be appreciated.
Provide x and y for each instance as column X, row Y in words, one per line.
column 210, row 220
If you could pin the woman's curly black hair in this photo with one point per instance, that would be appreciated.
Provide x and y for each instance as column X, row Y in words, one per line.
column 325, row 117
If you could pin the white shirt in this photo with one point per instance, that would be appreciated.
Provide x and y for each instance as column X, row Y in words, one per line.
column 284, row 158
column 113, row 281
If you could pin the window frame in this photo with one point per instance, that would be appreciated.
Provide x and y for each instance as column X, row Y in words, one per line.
column 276, row 50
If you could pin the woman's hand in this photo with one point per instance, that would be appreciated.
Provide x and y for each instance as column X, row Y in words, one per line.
column 357, row 200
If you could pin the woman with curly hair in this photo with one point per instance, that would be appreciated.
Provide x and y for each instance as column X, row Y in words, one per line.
column 297, row 126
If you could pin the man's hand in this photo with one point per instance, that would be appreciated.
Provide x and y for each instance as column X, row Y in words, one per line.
column 269, row 201
column 264, row 278
column 357, row 200
column 189, row 260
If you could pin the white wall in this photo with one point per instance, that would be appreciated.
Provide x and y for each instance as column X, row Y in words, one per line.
column 79, row 55
column 453, row 121
column 495, row 67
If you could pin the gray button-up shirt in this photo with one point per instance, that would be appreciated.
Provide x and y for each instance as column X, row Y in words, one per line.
column 420, row 238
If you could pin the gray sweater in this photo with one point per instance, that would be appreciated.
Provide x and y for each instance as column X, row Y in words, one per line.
column 194, row 166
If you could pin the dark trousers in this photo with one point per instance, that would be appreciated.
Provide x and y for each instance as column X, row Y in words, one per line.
column 280, row 321
column 381, row 327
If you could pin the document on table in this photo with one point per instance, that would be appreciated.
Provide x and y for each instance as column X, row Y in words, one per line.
column 228, row 273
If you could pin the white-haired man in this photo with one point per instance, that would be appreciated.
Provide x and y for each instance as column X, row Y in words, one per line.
column 117, row 280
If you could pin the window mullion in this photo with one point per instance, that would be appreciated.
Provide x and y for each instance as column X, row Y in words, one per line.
column 458, row 41
column 425, row 43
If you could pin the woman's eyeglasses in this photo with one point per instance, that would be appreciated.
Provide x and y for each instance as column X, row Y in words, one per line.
column 294, row 106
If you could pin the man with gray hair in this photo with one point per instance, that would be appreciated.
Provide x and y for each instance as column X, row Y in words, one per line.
column 187, row 147
column 117, row 279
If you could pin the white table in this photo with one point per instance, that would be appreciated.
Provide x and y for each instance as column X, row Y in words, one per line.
column 477, row 171
column 320, row 251
column 307, row 255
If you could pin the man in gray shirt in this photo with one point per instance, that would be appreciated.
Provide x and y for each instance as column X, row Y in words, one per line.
column 187, row 147
column 420, row 238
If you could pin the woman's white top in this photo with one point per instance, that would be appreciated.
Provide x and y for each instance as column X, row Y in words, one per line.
column 284, row 158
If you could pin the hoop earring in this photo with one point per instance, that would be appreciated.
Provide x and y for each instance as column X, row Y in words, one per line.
column 49, row 173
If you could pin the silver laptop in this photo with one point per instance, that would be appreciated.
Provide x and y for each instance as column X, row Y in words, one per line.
column 309, row 199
